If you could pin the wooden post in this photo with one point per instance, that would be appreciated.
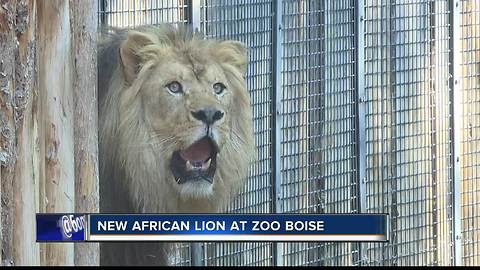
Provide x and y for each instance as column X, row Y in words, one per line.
column 47, row 86
column 1, row 228
column 56, row 88
column 84, row 45
column 26, row 176
column 7, row 125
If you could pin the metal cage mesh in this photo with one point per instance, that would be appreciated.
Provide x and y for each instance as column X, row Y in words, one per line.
column 131, row 13
column 408, row 122
column 318, row 133
column 407, row 129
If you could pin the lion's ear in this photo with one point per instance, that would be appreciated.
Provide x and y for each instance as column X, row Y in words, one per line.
column 129, row 53
column 234, row 53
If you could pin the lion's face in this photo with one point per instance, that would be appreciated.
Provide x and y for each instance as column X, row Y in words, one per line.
column 186, row 109
column 189, row 112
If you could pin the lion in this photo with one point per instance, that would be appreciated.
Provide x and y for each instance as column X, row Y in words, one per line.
column 175, row 128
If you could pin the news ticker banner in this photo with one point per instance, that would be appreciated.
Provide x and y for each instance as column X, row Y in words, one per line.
column 211, row 227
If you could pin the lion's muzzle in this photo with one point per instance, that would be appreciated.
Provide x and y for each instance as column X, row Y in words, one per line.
column 208, row 115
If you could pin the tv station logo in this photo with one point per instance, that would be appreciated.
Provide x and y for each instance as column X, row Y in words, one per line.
column 61, row 227
column 71, row 224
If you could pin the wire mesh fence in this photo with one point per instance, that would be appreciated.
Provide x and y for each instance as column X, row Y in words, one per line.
column 359, row 106
column 407, row 129
column 318, row 118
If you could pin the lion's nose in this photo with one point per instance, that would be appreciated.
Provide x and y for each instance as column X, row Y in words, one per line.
column 208, row 115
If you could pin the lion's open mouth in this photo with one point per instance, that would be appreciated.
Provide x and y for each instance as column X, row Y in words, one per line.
column 198, row 162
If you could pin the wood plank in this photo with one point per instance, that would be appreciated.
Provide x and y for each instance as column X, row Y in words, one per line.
column 84, row 28
column 25, row 249
column 7, row 126
column 55, row 86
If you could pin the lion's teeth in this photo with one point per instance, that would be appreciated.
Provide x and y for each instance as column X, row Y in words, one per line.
column 189, row 165
column 197, row 166
column 206, row 165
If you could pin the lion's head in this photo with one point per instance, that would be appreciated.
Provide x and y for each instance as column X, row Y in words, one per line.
column 176, row 119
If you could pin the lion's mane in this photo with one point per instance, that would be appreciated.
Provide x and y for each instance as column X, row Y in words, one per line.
column 131, row 179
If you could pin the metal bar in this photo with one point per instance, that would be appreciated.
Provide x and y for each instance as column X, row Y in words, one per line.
column 277, row 120
column 433, row 130
column 198, row 257
column 102, row 10
column 360, row 115
column 392, row 97
column 194, row 14
column 456, row 124
column 196, row 253
column 360, row 90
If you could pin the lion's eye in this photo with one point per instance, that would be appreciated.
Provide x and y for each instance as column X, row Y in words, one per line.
column 219, row 88
column 174, row 87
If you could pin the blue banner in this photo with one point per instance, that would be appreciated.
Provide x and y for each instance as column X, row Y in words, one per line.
column 212, row 227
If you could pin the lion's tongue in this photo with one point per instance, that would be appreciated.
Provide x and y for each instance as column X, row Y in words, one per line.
column 197, row 152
